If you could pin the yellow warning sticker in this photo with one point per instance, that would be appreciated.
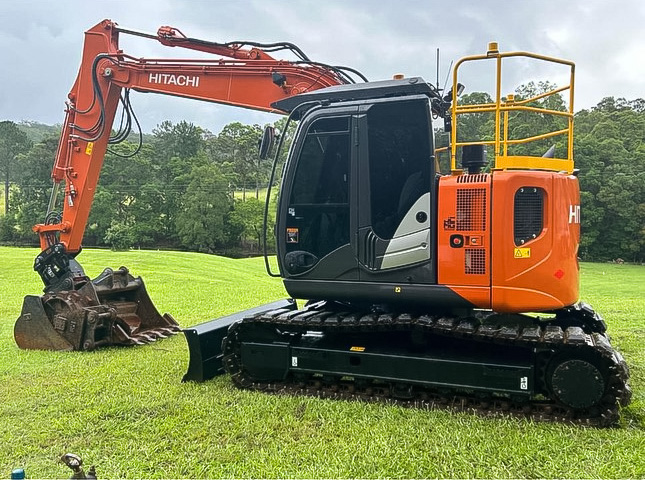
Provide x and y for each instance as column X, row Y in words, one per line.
column 522, row 253
column 357, row 349
column 89, row 148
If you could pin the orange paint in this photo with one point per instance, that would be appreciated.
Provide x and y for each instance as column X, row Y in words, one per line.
column 245, row 81
column 477, row 253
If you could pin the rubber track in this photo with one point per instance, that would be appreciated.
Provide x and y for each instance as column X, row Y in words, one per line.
column 555, row 339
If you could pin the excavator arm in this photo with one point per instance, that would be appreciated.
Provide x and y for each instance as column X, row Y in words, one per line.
column 244, row 75
column 251, row 79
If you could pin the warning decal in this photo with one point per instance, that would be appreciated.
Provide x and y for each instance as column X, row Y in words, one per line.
column 292, row 235
column 522, row 253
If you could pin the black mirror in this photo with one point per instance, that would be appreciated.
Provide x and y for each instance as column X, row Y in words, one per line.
column 460, row 89
column 266, row 143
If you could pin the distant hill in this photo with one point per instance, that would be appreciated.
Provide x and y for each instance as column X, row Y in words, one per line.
column 37, row 131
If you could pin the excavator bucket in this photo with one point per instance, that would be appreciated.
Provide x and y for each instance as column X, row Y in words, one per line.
column 112, row 309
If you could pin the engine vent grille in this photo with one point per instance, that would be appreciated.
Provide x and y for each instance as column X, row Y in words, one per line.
column 475, row 261
column 475, row 178
column 528, row 214
column 471, row 209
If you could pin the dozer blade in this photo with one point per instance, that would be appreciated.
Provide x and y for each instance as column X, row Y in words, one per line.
column 205, row 340
column 112, row 309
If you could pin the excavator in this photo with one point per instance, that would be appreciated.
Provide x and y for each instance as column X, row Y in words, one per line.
column 454, row 289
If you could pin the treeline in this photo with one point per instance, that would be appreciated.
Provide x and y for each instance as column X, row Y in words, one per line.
column 184, row 189
column 609, row 152
column 190, row 189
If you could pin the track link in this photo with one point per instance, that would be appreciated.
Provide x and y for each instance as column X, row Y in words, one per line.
column 573, row 340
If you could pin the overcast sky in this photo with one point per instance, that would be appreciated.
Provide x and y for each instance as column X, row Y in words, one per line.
column 41, row 44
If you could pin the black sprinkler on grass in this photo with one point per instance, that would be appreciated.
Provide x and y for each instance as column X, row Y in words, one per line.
column 75, row 462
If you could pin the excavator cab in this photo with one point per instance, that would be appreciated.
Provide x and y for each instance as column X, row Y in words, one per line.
column 356, row 203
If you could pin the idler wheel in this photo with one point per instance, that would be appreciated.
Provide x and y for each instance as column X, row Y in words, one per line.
column 577, row 383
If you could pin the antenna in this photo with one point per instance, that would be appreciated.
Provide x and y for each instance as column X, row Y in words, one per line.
column 447, row 76
column 437, row 84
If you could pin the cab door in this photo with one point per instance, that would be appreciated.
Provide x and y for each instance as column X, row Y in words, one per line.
column 396, row 191
column 314, row 227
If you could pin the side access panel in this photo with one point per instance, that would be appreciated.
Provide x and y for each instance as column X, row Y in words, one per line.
column 463, row 236
column 536, row 227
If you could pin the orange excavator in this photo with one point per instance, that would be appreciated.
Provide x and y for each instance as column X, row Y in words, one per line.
column 426, row 289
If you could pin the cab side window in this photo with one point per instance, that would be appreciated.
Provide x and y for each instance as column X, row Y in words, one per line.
column 323, row 168
column 319, row 200
column 400, row 161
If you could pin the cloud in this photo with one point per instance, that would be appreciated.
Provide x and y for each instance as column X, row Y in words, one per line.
column 42, row 42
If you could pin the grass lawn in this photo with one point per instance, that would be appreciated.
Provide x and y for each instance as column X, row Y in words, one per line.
column 250, row 193
column 126, row 411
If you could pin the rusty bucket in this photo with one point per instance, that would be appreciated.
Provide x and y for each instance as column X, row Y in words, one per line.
column 112, row 309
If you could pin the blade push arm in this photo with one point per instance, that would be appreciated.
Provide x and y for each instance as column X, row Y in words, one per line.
column 251, row 78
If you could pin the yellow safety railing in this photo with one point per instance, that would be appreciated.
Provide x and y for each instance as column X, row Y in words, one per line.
column 502, row 106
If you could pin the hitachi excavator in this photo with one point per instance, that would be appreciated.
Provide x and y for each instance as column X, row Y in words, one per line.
column 455, row 289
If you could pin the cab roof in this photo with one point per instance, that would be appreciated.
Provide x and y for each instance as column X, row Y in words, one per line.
column 355, row 91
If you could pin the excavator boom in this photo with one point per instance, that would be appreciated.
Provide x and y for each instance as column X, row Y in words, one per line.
column 81, row 314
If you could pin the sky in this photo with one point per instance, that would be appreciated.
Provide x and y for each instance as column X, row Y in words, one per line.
column 41, row 44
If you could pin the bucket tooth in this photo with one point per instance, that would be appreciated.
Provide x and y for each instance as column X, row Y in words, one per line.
column 169, row 331
column 146, row 337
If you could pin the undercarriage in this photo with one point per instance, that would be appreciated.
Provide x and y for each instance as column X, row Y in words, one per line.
column 562, row 368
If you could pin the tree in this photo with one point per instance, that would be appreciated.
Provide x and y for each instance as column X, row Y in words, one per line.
column 119, row 236
column 181, row 140
column 130, row 193
column 476, row 126
column 248, row 216
column 610, row 153
column 13, row 141
column 176, row 149
column 237, row 145
column 202, row 217
column 31, row 196
column 525, row 124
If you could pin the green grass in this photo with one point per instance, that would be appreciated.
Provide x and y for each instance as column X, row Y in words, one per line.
column 126, row 410
column 250, row 192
